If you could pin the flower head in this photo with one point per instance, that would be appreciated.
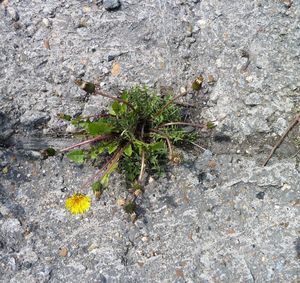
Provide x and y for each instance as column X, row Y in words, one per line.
column 78, row 203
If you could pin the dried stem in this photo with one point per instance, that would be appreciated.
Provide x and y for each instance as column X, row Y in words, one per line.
column 142, row 157
column 185, row 104
column 98, row 138
column 168, row 104
column 107, row 165
column 291, row 125
column 115, row 158
column 170, row 148
column 197, row 145
column 182, row 123
column 142, row 166
column 100, row 92
column 97, row 116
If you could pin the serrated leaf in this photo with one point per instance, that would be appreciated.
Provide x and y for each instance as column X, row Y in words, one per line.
column 112, row 147
column 76, row 156
column 158, row 146
column 128, row 150
column 94, row 153
column 98, row 128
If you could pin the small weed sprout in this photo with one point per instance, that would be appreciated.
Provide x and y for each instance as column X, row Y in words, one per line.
column 136, row 134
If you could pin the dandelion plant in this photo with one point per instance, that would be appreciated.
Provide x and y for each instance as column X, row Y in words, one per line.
column 137, row 134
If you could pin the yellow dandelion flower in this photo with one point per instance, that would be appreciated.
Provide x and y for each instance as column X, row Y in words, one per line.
column 78, row 203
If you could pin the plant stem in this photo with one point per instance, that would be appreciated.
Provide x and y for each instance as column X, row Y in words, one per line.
column 182, row 123
column 185, row 104
column 98, row 91
column 98, row 138
column 168, row 142
column 142, row 166
column 197, row 145
column 168, row 104
column 107, row 165
column 97, row 116
column 115, row 158
column 291, row 125
column 142, row 156
column 170, row 148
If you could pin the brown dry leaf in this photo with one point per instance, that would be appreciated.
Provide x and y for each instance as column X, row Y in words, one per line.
column 231, row 231
column 179, row 273
column 138, row 193
column 121, row 202
column 212, row 164
column 116, row 69
column 46, row 44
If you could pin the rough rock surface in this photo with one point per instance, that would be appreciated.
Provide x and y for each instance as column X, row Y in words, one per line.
column 219, row 216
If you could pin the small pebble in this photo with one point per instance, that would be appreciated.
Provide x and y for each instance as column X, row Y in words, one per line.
column 111, row 4
column 46, row 22
column 202, row 23
column 13, row 13
column 63, row 251
column 249, row 79
column 145, row 239
column 86, row 9
column 183, row 90
column 211, row 79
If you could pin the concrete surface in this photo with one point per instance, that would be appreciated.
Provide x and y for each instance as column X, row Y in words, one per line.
column 219, row 216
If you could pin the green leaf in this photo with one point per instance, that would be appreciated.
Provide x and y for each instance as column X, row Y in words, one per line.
column 128, row 150
column 50, row 151
column 112, row 147
column 64, row 116
column 76, row 156
column 130, row 207
column 115, row 108
column 94, row 153
column 97, row 186
column 158, row 146
column 210, row 125
column 98, row 128
column 124, row 96
column 105, row 178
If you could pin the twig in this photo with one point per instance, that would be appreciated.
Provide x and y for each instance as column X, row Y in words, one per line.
column 98, row 91
column 198, row 145
column 99, row 138
column 182, row 123
column 291, row 125
column 185, row 104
